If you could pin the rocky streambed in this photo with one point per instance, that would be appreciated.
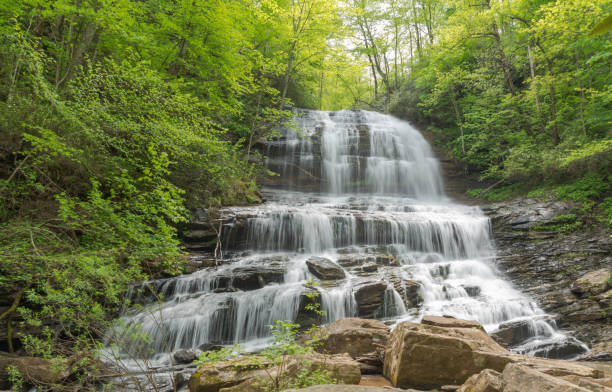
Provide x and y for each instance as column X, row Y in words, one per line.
column 437, row 354
column 567, row 272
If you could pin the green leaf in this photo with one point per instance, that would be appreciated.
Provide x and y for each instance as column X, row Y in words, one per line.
column 602, row 27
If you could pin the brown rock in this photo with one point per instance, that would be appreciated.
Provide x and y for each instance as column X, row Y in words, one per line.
column 594, row 282
column 592, row 384
column 355, row 336
column 486, row 381
column 253, row 374
column 33, row 369
column 450, row 322
column 428, row 356
column 558, row 368
column 517, row 378
column 347, row 388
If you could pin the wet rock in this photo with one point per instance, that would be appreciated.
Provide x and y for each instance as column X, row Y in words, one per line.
column 486, row 381
column 324, row 269
column 450, row 322
column 370, row 267
column 370, row 298
column 567, row 349
column 307, row 316
column 384, row 259
column 210, row 347
column 472, row 291
column 349, row 260
column 517, row 378
column 512, row 333
column 252, row 277
column 181, row 380
column 442, row 271
column 245, row 374
column 412, row 294
column 594, row 282
column 186, row 356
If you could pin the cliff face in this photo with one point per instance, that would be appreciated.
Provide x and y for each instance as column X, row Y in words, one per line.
column 568, row 273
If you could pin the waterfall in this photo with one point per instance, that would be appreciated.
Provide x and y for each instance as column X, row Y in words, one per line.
column 362, row 190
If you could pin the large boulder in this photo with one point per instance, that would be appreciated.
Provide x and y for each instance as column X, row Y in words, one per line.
column 325, row 269
column 370, row 298
column 362, row 339
column 254, row 373
column 354, row 336
column 429, row 356
column 594, row 282
column 33, row 369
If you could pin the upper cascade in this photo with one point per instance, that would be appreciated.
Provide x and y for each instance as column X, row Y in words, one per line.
column 355, row 151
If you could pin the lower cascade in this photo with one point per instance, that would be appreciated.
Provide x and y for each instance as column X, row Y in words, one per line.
column 358, row 205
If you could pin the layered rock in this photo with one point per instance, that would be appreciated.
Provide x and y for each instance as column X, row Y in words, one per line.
column 254, row 373
column 347, row 388
column 324, row 269
column 517, row 378
column 486, row 381
column 370, row 298
column 561, row 270
column 428, row 356
column 431, row 355
column 593, row 283
column 362, row 339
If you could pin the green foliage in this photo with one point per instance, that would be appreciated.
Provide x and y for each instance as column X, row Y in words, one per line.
column 223, row 354
column 606, row 206
column 119, row 116
column 589, row 187
column 15, row 379
column 516, row 91
column 284, row 345
column 603, row 27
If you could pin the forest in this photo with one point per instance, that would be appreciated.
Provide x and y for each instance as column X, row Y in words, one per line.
column 119, row 117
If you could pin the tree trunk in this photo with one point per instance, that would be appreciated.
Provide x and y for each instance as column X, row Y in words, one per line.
column 458, row 117
column 287, row 75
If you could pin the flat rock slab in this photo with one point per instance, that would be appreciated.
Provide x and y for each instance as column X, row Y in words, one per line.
column 325, row 269
column 348, row 388
column 450, row 322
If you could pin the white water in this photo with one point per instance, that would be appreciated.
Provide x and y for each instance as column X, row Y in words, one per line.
column 379, row 192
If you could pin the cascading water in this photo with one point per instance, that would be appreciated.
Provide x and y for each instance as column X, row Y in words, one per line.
column 362, row 190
